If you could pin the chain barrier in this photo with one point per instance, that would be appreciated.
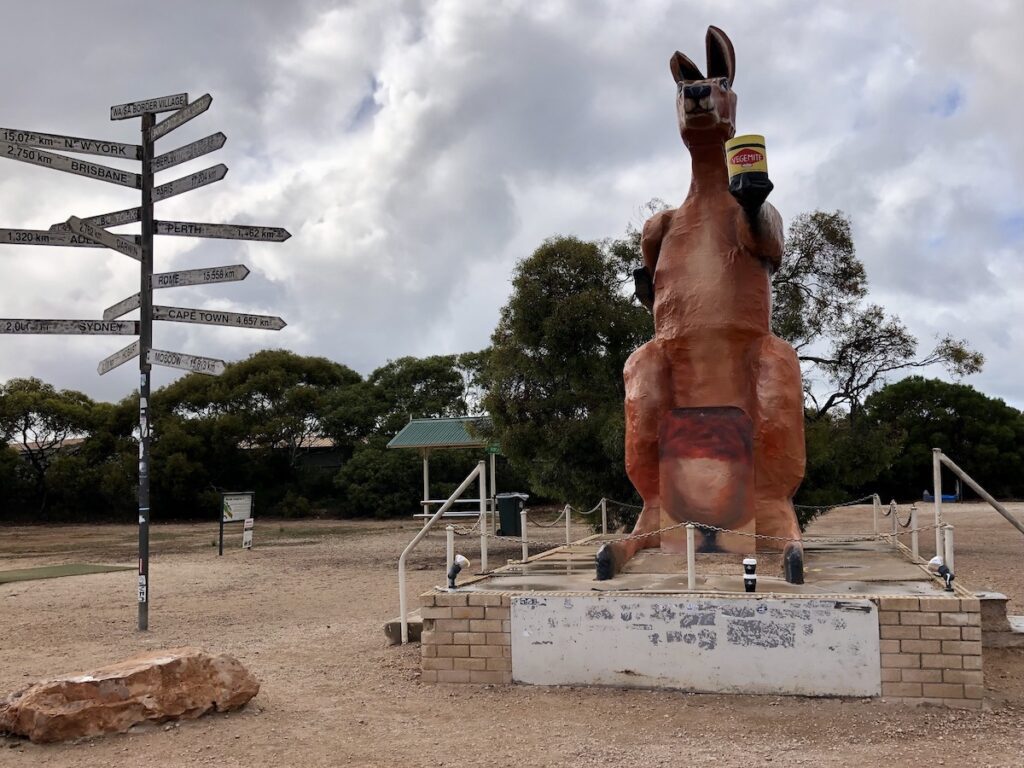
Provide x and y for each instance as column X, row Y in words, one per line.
column 551, row 524
column 893, row 511
column 826, row 507
column 624, row 504
column 833, row 538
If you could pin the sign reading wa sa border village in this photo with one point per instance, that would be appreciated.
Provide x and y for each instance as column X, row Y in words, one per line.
column 47, row 151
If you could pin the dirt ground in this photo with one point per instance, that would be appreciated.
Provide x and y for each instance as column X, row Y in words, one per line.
column 304, row 612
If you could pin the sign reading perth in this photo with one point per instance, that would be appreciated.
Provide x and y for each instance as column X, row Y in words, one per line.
column 42, row 149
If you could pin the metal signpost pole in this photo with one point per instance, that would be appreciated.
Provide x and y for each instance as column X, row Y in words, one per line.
column 37, row 148
column 145, row 344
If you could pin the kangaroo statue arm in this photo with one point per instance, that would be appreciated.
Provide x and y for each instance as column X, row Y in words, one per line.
column 650, row 249
column 761, row 232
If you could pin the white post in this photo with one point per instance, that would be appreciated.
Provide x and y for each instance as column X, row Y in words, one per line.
column 494, row 497
column 913, row 532
column 483, row 517
column 522, row 524
column 937, row 490
column 691, row 558
column 948, row 558
column 568, row 520
column 604, row 515
column 876, row 504
column 426, row 485
column 893, row 513
column 449, row 548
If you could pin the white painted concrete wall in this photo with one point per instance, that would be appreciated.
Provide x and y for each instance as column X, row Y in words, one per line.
column 758, row 645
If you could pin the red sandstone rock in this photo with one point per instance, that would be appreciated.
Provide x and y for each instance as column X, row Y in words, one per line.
column 154, row 687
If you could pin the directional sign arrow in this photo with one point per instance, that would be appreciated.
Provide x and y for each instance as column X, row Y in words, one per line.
column 182, row 116
column 226, row 231
column 71, row 327
column 69, row 165
column 120, row 357
column 203, row 146
column 229, row 274
column 218, row 317
column 105, row 220
column 208, row 365
column 71, row 144
column 136, row 108
column 44, row 237
column 103, row 237
column 188, row 183
column 123, row 307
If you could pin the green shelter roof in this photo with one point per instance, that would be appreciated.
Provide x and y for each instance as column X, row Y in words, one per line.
column 441, row 433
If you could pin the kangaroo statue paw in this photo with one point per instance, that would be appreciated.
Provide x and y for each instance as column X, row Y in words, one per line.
column 793, row 563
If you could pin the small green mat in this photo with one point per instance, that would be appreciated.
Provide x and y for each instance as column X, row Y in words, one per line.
column 56, row 571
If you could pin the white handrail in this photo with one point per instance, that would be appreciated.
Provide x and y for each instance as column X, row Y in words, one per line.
column 402, row 603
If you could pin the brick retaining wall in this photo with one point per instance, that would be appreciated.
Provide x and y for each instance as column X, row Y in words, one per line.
column 930, row 647
column 931, row 650
column 467, row 637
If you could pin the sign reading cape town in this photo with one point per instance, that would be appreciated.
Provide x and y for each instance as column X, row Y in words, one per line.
column 44, row 150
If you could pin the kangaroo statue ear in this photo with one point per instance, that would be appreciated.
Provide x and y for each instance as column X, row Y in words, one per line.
column 684, row 69
column 721, row 55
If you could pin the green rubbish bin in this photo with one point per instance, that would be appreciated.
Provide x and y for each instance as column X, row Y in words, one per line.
column 510, row 505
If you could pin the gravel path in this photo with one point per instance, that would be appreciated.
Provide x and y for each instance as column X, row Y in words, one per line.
column 304, row 611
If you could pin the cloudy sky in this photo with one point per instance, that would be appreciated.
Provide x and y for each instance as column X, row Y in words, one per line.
column 417, row 150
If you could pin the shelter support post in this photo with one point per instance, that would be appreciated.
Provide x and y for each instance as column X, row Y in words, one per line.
column 426, row 485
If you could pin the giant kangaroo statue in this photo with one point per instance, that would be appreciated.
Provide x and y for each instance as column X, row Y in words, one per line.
column 714, row 403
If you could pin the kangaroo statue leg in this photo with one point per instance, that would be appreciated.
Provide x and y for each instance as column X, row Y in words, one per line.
column 779, row 453
column 647, row 390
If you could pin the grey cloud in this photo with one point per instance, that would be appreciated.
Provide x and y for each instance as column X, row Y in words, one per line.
column 417, row 149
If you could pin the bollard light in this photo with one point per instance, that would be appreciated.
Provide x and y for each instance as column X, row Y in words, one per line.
column 750, row 574
column 460, row 562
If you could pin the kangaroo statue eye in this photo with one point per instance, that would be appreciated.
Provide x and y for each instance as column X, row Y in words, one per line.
column 724, row 83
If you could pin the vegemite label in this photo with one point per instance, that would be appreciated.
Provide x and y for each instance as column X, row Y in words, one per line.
column 745, row 154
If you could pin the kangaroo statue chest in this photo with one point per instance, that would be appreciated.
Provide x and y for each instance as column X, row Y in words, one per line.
column 708, row 280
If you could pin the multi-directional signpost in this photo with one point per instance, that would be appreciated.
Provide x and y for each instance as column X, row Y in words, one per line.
column 93, row 232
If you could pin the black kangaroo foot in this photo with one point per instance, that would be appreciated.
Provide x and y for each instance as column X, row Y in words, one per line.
column 605, row 563
column 793, row 562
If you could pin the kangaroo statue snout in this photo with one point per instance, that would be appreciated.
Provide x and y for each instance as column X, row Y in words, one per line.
column 714, row 403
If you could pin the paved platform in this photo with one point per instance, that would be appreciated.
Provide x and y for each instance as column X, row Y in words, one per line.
column 859, row 567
